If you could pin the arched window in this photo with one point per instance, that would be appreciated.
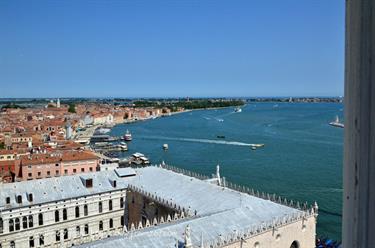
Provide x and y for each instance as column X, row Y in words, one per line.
column 12, row 244
column 31, row 241
column 85, row 210
column 86, row 229
column 100, row 225
column 41, row 239
column 57, row 236
column 110, row 205
column 40, row 219
column 77, row 211
column 121, row 202
column 110, row 223
column 78, row 231
column 122, row 220
column 100, row 207
column 31, row 221
column 295, row 244
column 65, row 214
column 1, row 225
column 17, row 224
column 66, row 235
column 11, row 225
column 24, row 222
column 257, row 245
column 57, row 216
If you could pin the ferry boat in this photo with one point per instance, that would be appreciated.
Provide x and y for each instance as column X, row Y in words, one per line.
column 128, row 136
column 238, row 110
column 337, row 123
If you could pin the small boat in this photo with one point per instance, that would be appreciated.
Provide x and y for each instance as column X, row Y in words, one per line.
column 255, row 146
column 123, row 146
column 165, row 147
column 337, row 123
column 238, row 110
column 128, row 136
column 220, row 137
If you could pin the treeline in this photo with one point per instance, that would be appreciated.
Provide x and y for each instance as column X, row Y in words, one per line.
column 12, row 106
column 192, row 104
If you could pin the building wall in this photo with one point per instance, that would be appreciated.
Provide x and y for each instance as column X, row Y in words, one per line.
column 80, row 166
column 303, row 232
column 50, row 226
column 64, row 168
column 32, row 172
column 141, row 208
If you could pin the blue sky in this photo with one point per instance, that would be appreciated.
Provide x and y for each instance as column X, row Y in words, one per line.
column 171, row 48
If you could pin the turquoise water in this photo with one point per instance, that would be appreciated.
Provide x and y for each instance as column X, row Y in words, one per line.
column 301, row 160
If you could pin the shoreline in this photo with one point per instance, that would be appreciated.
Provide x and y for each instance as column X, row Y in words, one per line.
column 86, row 135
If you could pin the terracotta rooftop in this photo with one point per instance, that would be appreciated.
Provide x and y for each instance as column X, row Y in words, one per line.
column 55, row 157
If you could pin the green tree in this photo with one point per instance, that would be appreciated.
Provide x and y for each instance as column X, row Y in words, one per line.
column 72, row 108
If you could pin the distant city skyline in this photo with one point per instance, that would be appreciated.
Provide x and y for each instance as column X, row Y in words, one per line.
column 106, row 49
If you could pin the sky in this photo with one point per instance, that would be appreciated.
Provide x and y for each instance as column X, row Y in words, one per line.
column 171, row 48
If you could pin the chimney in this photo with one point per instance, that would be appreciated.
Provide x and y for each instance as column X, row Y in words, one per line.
column 113, row 183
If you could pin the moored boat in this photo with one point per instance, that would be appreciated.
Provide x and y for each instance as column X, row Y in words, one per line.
column 128, row 136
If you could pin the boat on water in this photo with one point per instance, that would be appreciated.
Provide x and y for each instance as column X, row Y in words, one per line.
column 238, row 110
column 128, row 136
column 256, row 146
column 337, row 123
column 123, row 146
column 220, row 137
column 103, row 130
column 165, row 147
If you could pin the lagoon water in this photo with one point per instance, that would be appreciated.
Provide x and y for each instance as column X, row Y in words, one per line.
column 301, row 160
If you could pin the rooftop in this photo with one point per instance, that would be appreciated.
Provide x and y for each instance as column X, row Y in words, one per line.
column 216, row 210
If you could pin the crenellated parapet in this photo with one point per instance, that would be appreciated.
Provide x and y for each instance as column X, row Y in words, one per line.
column 243, row 189
column 274, row 225
column 181, row 210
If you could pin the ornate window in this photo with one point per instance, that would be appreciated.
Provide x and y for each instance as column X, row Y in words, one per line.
column 66, row 234
column 31, row 241
column 31, row 221
column 77, row 211
column 100, row 207
column 24, row 222
column 17, row 224
column 86, row 229
column 41, row 239
column 122, row 202
column 57, row 216
column 110, row 205
column 65, row 214
column 85, row 210
column 57, row 236
column 40, row 219
column 11, row 225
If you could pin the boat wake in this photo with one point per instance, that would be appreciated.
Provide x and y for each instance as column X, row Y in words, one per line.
column 208, row 141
